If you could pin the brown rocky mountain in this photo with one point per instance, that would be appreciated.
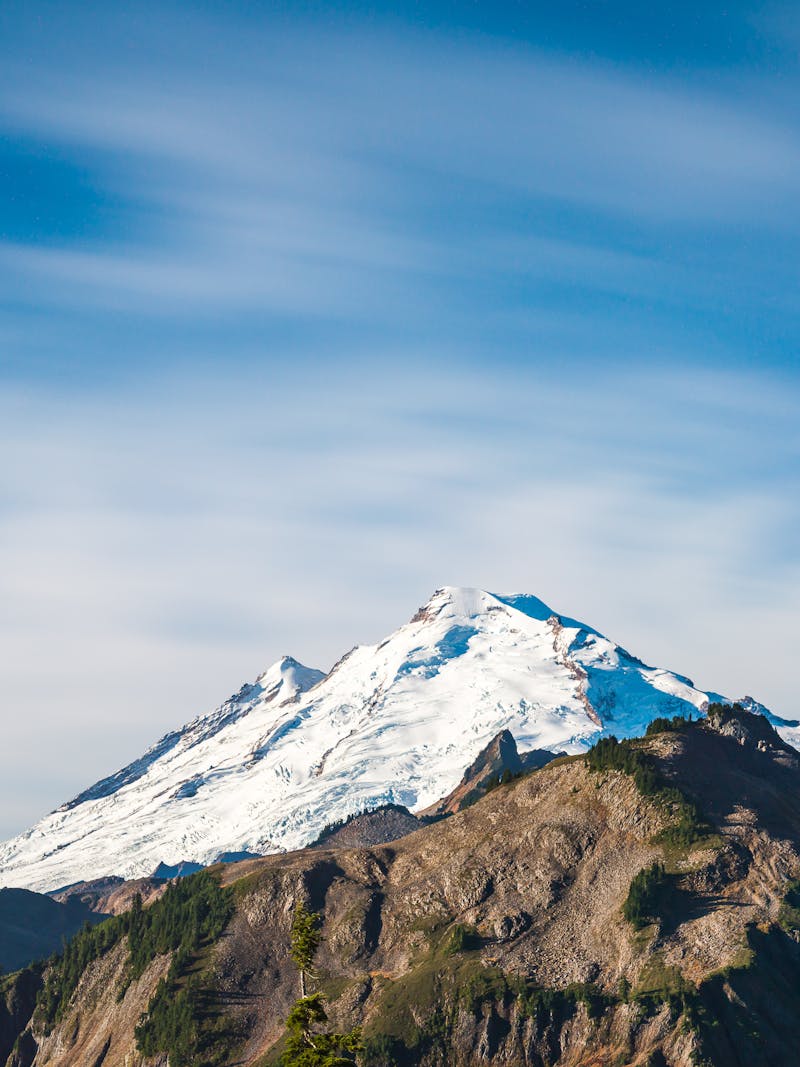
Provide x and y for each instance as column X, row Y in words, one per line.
column 111, row 896
column 497, row 763
column 636, row 907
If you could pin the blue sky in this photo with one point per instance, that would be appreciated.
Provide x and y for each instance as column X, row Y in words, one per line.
column 307, row 309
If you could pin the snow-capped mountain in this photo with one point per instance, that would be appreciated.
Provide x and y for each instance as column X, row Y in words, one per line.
column 395, row 722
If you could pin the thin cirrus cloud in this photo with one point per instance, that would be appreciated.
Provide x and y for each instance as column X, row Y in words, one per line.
column 302, row 318
column 361, row 177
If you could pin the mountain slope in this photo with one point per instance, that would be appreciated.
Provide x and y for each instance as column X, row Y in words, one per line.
column 33, row 926
column 393, row 723
column 516, row 932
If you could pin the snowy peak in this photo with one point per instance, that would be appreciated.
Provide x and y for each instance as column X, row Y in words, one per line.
column 466, row 604
column 462, row 602
column 281, row 683
column 286, row 679
column 394, row 723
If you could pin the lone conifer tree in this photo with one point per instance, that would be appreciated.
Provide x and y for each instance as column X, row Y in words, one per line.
column 306, row 1044
column 305, row 941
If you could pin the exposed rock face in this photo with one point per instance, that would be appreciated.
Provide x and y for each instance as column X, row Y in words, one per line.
column 499, row 759
column 24, row 1051
column 111, row 896
column 99, row 1030
column 752, row 731
column 497, row 934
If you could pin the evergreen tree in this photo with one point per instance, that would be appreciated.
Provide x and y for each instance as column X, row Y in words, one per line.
column 307, row 1045
column 304, row 942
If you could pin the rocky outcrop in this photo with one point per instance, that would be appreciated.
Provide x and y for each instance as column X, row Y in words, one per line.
column 24, row 1052
column 98, row 1030
column 383, row 824
column 499, row 761
column 752, row 731
column 111, row 896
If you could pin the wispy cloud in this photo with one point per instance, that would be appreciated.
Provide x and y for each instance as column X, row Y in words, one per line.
column 302, row 319
column 355, row 174
column 165, row 544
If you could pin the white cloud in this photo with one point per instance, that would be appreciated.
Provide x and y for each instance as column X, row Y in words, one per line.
column 162, row 547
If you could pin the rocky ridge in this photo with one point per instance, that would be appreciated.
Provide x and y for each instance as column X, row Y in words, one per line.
column 517, row 930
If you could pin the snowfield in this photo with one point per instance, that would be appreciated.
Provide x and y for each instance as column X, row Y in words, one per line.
column 394, row 722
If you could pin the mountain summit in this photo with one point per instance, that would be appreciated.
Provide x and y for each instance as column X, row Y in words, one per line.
column 393, row 723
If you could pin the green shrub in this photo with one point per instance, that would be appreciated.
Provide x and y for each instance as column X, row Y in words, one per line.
column 639, row 907
column 183, row 1020
column 609, row 754
column 193, row 912
column 382, row 1050
column 64, row 971
column 308, row 1042
column 305, row 939
column 505, row 778
column 663, row 725
column 688, row 828
column 481, row 985
column 462, row 938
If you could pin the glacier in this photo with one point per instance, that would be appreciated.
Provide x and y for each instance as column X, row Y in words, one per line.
column 395, row 722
